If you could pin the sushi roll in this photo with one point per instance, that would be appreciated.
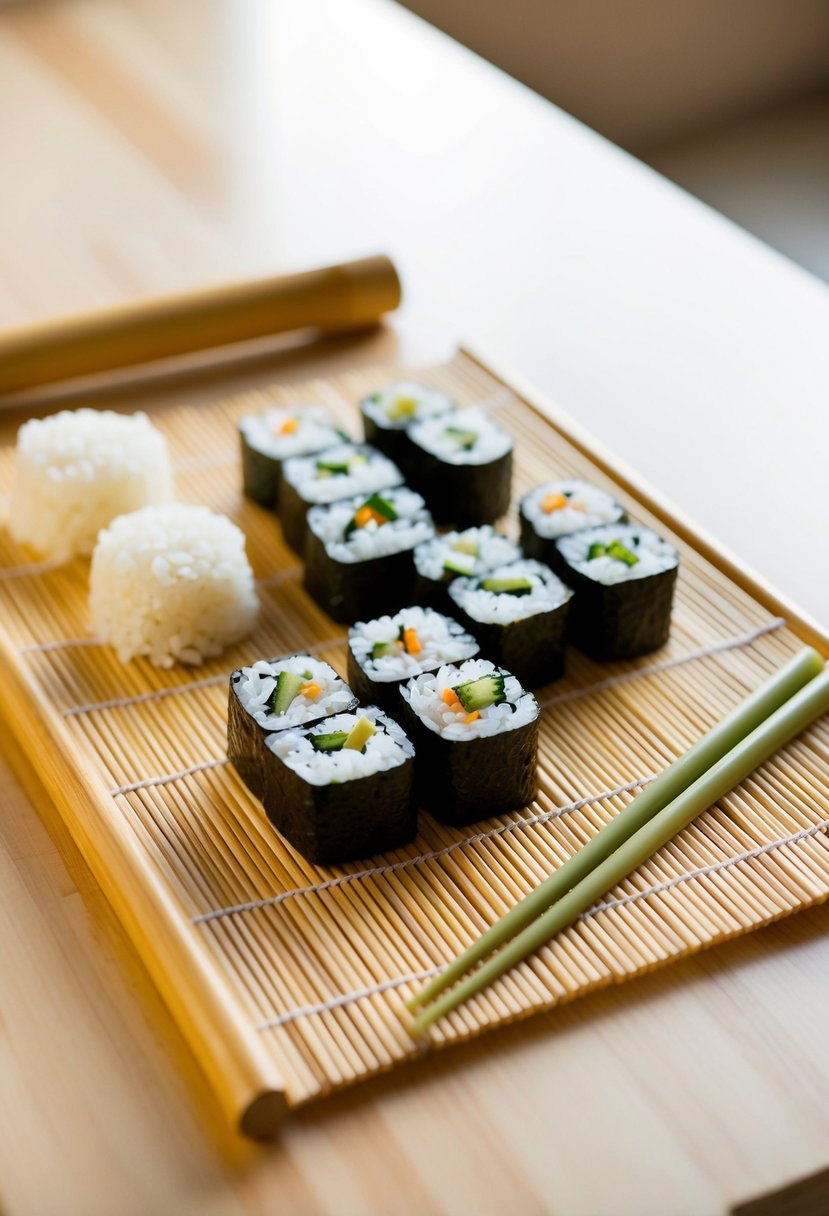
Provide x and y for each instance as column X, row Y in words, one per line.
column 558, row 508
column 623, row 576
column 384, row 653
column 272, row 436
column 518, row 613
column 462, row 465
column 358, row 553
column 388, row 413
column 278, row 694
column 325, row 477
column 342, row 789
column 476, row 734
column 473, row 552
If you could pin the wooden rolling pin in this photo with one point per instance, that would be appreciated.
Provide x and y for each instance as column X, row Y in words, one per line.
column 350, row 296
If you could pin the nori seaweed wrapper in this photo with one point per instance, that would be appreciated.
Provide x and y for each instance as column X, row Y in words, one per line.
column 434, row 592
column 385, row 693
column 353, row 591
column 544, row 548
column 293, row 508
column 532, row 649
column 463, row 781
column 392, row 441
column 261, row 474
column 346, row 820
column 376, row 586
column 462, row 494
column 246, row 747
column 620, row 620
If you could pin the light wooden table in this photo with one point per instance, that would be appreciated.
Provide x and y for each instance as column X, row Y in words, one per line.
column 148, row 146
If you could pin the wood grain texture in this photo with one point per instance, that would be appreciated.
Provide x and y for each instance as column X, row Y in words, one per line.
column 165, row 165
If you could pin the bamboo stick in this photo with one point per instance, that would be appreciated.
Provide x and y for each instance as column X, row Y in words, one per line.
column 779, row 728
column 352, row 295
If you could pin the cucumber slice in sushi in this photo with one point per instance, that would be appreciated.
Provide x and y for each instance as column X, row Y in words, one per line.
column 333, row 741
column 507, row 586
column 376, row 508
column 477, row 694
column 287, row 686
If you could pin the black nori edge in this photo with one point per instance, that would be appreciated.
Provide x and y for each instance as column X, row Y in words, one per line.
column 246, row 747
column 344, row 821
column 462, row 781
column 385, row 693
column 261, row 474
column 532, row 648
column 622, row 620
column 462, row 494
column 545, row 548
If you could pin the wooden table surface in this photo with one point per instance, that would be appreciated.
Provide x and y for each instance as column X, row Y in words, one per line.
column 147, row 146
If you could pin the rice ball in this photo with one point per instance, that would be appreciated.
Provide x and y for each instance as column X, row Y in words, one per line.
column 172, row 583
column 77, row 470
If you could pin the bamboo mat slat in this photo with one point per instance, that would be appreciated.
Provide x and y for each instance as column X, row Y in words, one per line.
column 289, row 980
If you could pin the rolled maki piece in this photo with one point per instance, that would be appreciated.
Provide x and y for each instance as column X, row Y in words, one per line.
column 386, row 652
column 325, row 477
column 623, row 576
column 518, row 613
column 278, row 694
column 473, row 552
column 342, row 789
column 559, row 508
column 476, row 734
column 462, row 465
column 358, row 553
column 387, row 414
column 270, row 437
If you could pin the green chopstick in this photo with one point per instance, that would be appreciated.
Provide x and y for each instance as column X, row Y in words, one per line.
column 755, row 709
column 778, row 729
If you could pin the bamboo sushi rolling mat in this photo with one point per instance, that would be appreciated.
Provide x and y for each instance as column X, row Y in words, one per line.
column 289, row 980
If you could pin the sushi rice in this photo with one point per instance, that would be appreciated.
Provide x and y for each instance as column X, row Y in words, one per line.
column 493, row 607
column 442, row 437
column 395, row 407
column 652, row 554
column 413, row 525
column 476, row 550
column 314, row 430
column 587, row 507
column 172, row 583
column 254, row 687
column 425, row 696
column 368, row 470
column 387, row 748
column 78, row 470
column 441, row 639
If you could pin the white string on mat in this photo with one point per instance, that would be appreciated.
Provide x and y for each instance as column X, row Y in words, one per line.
column 172, row 690
column 52, row 563
column 392, row 867
column 66, row 644
column 336, row 1002
column 638, row 673
column 148, row 782
column 349, row 998
column 713, row 868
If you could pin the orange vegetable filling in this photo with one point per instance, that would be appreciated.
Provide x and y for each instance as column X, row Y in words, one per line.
column 450, row 697
column 311, row 689
column 553, row 502
column 289, row 426
column 365, row 514
column 473, row 717
column 411, row 641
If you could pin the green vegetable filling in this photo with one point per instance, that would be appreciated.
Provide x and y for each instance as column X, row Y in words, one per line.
column 463, row 440
column 375, row 507
column 287, row 687
column 507, row 586
column 342, row 467
column 333, row 741
column 455, row 565
column 465, row 544
column 614, row 549
column 478, row 694
column 384, row 650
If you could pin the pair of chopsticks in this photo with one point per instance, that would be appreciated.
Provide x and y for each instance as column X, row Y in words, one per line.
column 769, row 718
